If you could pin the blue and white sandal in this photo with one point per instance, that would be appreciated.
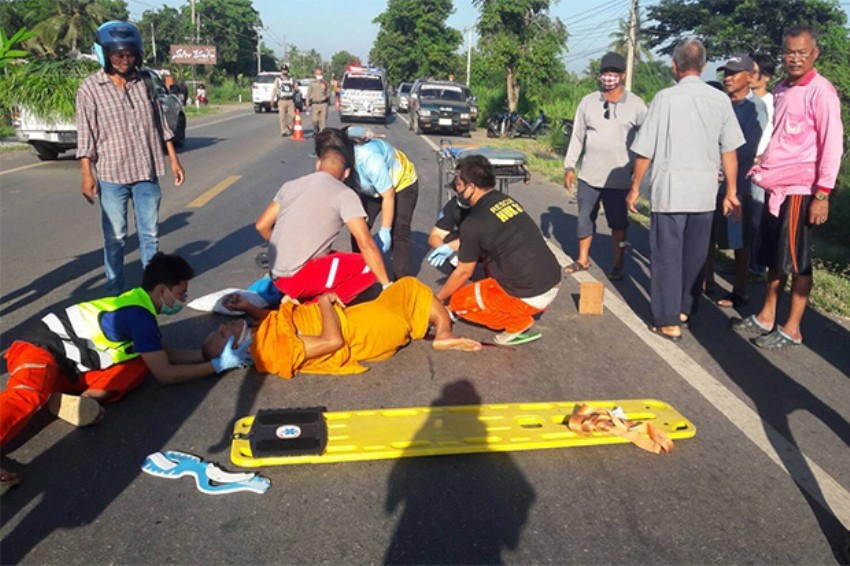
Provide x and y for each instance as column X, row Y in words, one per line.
column 209, row 478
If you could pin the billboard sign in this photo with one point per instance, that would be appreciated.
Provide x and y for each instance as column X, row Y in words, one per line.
column 194, row 54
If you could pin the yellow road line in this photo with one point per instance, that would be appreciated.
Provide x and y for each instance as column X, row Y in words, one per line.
column 213, row 192
column 23, row 167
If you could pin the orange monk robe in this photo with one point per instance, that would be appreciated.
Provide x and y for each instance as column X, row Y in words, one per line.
column 372, row 331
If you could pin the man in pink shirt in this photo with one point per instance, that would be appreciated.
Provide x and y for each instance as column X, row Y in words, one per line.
column 798, row 171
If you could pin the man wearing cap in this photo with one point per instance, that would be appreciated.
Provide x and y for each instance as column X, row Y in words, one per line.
column 283, row 92
column 605, row 124
column 729, row 233
column 690, row 129
column 798, row 171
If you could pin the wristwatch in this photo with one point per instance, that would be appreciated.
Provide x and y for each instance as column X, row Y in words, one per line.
column 821, row 195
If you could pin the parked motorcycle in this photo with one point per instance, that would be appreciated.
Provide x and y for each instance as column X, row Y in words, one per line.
column 499, row 124
column 521, row 126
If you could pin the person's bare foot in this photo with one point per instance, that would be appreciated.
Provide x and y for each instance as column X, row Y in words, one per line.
column 452, row 342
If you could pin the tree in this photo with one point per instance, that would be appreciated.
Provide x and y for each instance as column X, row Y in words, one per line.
column 72, row 25
column 414, row 41
column 230, row 26
column 342, row 59
column 302, row 64
column 15, row 14
column 757, row 26
column 170, row 26
column 519, row 37
column 725, row 26
column 620, row 43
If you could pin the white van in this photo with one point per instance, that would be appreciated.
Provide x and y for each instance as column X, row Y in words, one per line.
column 364, row 94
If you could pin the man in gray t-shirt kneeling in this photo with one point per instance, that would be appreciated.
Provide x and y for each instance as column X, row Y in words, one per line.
column 306, row 216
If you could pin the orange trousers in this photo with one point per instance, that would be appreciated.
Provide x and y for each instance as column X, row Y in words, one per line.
column 34, row 376
column 486, row 303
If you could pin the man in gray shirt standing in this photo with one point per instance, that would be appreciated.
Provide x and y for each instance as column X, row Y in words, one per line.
column 605, row 125
column 689, row 130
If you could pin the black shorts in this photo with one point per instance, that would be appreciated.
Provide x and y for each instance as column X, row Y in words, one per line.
column 786, row 241
column 588, row 208
column 729, row 234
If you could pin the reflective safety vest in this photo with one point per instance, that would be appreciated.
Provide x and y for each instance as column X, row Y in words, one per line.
column 81, row 329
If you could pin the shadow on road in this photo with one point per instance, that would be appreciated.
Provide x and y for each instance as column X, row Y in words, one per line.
column 88, row 266
column 457, row 509
column 71, row 483
column 775, row 393
column 193, row 142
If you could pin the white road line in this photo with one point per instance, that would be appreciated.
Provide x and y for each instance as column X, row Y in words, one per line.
column 818, row 483
column 205, row 124
column 23, row 167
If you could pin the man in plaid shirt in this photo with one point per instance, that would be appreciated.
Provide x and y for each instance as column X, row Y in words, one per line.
column 119, row 145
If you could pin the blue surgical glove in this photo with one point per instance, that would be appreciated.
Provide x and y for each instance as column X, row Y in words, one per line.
column 439, row 256
column 385, row 235
column 231, row 357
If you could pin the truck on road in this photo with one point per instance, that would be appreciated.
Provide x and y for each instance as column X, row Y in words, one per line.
column 54, row 135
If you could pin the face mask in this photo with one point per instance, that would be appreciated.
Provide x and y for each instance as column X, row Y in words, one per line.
column 462, row 201
column 609, row 81
column 318, row 77
column 174, row 308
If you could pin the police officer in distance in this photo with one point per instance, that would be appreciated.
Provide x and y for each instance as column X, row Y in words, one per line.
column 283, row 92
column 318, row 95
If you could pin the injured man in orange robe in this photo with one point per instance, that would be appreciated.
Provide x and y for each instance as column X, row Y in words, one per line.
column 328, row 338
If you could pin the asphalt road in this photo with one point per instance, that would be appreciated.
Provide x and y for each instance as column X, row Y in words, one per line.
column 765, row 480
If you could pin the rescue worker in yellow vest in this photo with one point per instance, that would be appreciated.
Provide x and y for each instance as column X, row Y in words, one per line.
column 95, row 352
column 283, row 92
column 318, row 96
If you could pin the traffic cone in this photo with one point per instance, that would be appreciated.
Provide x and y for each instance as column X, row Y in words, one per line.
column 297, row 131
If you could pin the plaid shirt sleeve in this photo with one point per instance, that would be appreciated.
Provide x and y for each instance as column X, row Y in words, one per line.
column 87, row 130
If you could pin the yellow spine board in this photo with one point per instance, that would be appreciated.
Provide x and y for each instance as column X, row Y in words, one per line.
column 380, row 434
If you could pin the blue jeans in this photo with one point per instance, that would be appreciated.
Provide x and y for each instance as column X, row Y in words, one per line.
column 146, row 196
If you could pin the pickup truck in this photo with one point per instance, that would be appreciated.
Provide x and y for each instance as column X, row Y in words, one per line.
column 50, row 137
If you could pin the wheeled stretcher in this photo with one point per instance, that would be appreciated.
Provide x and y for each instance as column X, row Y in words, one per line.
column 509, row 164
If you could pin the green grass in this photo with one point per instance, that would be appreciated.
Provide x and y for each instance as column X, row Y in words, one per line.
column 192, row 112
column 831, row 291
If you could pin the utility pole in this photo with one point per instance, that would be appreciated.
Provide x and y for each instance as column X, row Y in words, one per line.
column 153, row 44
column 468, row 53
column 259, row 38
column 630, row 56
column 192, row 4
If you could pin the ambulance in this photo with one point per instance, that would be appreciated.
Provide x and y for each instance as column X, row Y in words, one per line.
column 364, row 94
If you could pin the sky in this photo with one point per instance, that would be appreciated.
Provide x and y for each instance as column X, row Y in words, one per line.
column 334, row 25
